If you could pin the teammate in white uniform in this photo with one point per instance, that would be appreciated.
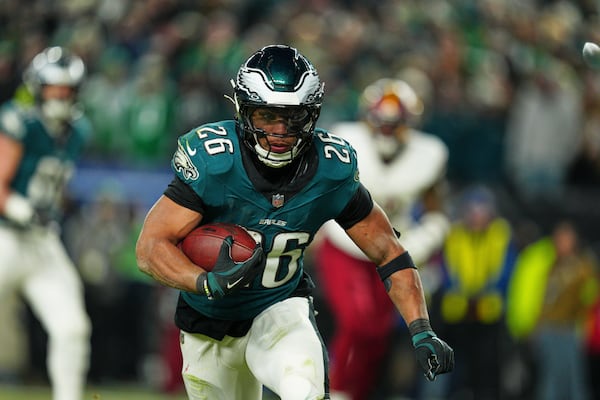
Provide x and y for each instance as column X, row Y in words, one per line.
column 40, row 139
column 402, row 168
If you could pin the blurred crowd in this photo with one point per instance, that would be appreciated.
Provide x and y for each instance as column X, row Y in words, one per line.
column 504, row 86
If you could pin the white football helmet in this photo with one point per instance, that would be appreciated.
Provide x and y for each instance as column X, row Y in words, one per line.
column 54, row 66
column 389, row 107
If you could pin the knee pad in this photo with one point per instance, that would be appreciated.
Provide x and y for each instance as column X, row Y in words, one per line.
column 295, row 387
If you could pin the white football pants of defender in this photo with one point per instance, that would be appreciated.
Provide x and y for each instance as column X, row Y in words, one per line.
column 282, row 351
column 35, row 262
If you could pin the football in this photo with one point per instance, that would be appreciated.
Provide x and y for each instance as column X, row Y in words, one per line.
column 202, row 245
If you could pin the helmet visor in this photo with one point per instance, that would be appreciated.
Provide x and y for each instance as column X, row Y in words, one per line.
column 270, row 120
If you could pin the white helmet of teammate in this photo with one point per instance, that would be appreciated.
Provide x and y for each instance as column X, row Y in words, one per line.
column 54, row 66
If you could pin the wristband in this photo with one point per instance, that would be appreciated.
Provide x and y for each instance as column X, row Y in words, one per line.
column 420, row 329
column 18, row 209
column 403, row 261
column 418, row 326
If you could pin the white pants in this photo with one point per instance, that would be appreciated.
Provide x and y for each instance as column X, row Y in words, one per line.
column 35, row 263
column 282, row 351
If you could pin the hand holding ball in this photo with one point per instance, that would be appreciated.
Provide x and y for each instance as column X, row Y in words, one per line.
column 203, row 244
column 229, row 255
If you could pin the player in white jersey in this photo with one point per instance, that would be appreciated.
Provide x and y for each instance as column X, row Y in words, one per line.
column 40, row 141
column 402, row 168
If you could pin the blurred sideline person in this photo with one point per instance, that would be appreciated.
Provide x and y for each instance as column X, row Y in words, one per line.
column 478, row 259
column 592, row 348
column 41, row 137
column 553, row 289
column 245, row 325
column 403, row 169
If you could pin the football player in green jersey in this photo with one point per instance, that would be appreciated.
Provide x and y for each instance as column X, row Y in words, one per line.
column 41, row 137
column 273, row 172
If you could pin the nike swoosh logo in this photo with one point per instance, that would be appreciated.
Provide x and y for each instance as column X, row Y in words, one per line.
column 192, row 152
column 230, row 285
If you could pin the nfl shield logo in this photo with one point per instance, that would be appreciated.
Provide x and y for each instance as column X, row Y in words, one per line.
column 277, row 200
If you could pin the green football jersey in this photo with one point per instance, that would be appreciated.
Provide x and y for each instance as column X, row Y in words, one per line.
column 48, row 162
column 209, row 160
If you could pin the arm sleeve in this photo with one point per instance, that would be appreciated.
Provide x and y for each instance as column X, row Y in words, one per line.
column 184, row 195
column 359, row 206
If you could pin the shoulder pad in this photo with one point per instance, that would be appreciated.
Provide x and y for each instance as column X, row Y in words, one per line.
column 12, row 122
column 337, row 156
column 83, row 126
column 208, row 149
column 430, row 147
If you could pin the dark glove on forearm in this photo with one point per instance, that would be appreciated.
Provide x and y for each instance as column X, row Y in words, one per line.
column 433, row 354
column 227, row 276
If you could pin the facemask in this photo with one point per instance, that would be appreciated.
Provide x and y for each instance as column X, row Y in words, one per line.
column 387, row 146
column 273, row 160
column 57, row 110
column 56, row 114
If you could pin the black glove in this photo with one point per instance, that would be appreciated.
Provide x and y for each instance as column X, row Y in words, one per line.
column 227, row 276
column 433, row 354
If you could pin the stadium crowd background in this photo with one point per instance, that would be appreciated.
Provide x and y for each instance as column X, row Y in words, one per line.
column 503, row 82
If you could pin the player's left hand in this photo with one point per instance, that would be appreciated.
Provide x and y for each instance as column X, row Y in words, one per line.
column 433, row 354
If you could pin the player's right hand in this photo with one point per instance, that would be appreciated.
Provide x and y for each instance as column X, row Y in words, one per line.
column 228, row 276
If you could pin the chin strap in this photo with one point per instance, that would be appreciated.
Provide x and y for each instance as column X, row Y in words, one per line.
column 262, row 156
column 271, row 159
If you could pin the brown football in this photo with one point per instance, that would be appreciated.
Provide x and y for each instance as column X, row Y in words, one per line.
column 202, row 245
